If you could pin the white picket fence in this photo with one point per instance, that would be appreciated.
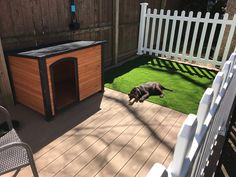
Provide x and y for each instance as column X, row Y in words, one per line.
column 199, row 133
column 184, row 36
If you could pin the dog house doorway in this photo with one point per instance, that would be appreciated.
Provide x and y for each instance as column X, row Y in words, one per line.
column 64, row 78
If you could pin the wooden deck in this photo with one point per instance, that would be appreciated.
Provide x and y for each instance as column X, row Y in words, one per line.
column 101, row 136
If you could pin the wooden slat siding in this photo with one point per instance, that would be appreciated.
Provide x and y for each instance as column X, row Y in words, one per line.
column 46, row 17
column 16, row 16
column 88, row 59
column 6, row 24
column 27, row 16
column 6, row 97
column 92, row 85
column 42, row 22
column 36, row 19
column 27, row 82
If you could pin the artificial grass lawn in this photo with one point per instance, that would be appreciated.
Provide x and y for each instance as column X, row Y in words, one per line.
column 188, row 82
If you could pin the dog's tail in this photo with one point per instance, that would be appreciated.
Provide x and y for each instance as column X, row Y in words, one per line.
column 164, row 88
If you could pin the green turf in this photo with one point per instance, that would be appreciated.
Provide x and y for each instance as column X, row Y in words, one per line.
column 188, row 82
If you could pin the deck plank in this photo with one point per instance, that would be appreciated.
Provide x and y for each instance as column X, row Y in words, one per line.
column 118, row 146
column 125, row 126
column 164, row 149
column 117, row 140
column 137, row 161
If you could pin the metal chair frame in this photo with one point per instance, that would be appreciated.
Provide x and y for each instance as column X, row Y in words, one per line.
column 10, row 143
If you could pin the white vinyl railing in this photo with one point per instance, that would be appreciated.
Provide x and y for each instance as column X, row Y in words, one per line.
column 199, row 134
column 186, row 36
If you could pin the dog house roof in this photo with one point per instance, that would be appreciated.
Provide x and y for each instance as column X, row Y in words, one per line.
column 58, row 49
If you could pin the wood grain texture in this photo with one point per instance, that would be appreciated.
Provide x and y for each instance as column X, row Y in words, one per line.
column 30, row 23
column 111, row 142
column 5, row 87
column 90, row 82
column 27, row 82
column 89, row 71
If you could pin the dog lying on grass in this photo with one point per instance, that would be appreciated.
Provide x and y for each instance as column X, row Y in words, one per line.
column 143, row 91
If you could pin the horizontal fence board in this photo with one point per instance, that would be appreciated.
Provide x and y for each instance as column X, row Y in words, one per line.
column 203, row 20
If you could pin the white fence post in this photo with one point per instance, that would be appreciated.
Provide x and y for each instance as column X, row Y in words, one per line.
column 183, row 144
column 223, row 123
column 157, row 170
column 232, row 58
column 225, row 70
column 142, row 27
column 158, row 41
column 203, row 108
column 216, row 85
column 146, row 35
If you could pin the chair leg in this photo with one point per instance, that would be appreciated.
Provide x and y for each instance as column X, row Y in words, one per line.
column 34, row 169
column 16, row 173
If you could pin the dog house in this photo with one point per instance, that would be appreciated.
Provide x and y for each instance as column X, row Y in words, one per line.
column 50, row 79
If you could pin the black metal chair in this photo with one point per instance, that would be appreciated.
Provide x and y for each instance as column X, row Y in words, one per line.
column 14, row 154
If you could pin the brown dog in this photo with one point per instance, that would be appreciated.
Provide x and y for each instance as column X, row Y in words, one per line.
column 143, row 91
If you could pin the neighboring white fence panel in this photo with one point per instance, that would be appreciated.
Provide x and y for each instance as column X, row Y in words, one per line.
column 186, row 36
column 199, row 133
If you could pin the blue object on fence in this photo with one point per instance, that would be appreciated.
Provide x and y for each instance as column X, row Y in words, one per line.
column 72, row 7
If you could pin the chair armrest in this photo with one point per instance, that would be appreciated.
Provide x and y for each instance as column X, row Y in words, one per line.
column 7, row 116
column 17, row 144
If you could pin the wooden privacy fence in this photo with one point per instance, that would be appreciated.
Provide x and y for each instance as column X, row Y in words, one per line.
column 199, row 135
column 185, row 36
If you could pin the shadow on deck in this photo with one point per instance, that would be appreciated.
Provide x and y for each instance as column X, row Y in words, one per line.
column 101, row 136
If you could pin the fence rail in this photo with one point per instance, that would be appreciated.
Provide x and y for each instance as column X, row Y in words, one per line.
column 186, row 36
column 199, row 134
